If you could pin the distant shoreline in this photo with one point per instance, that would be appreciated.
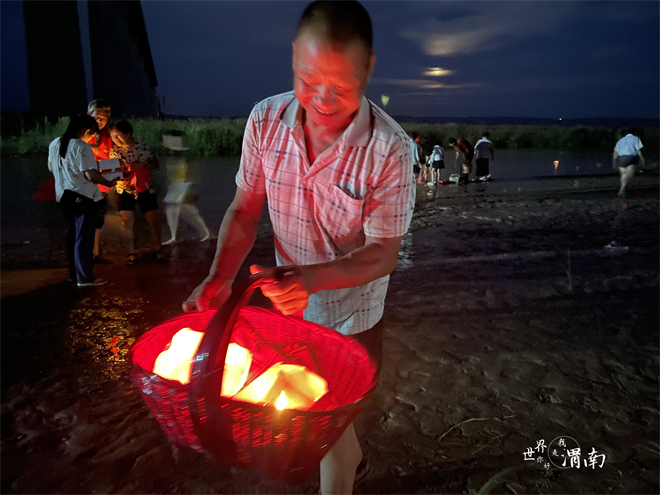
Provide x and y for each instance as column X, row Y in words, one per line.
column 23, row 135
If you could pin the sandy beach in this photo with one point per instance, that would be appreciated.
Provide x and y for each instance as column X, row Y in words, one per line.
column 512, row 331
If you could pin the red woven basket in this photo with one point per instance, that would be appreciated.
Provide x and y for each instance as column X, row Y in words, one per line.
column 286, row 444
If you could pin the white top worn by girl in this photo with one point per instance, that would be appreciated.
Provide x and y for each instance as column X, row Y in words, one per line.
column 438, row 154
column 69, row 171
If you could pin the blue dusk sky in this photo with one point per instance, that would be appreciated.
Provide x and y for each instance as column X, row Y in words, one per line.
column 567, row 59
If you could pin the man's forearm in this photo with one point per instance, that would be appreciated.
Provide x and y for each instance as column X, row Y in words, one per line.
column 235, row 239
column 359, row 267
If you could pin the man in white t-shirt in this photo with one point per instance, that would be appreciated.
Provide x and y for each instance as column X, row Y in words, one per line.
column 627, row 153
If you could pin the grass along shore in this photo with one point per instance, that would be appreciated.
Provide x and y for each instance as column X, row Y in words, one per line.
column 224, row 137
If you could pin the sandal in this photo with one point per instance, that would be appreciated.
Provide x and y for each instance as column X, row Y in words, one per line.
column 131, row 259
column 159, row 256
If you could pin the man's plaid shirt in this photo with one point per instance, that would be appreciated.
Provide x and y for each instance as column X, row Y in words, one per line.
column 360, row 186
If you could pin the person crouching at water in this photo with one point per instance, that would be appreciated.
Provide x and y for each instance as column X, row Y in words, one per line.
column 437, row 163
column 136, row 188
column 627, row 153
column 71, row 160
column 463, row 149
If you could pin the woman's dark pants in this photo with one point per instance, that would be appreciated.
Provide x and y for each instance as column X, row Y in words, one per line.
column 80, row 242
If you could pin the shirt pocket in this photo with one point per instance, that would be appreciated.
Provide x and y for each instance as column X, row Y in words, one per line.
column 338, row 213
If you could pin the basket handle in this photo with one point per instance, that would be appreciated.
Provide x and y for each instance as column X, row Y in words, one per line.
column 213, row 347
column 206, row 377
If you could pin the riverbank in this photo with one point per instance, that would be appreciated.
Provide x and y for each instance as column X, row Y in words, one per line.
column 508, row 322
column 213, row 137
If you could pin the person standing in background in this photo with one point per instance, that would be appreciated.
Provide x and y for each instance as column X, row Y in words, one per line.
column 101, row 145
column 76, row 173
column 136, row 189
column 465, row 150
column 485, row 154
column 627, row 154
column 437, row 163
column 415, row 150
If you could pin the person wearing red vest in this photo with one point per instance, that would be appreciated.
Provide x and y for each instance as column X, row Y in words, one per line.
column 101, row 146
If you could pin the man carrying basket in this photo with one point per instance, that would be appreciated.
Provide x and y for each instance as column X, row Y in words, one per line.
column 336, row 172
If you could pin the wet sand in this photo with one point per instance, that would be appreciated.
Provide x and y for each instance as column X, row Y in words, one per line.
column 494, row 340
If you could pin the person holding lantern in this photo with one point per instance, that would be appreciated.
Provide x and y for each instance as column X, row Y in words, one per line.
column 335, row 170
column 101, row 145
column 136, row 188
column 76, row 174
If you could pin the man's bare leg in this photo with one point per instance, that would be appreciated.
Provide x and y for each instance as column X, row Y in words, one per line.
column 339, row 464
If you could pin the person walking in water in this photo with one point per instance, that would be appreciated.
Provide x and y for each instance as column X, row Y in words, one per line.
column 627, row 154
column 416, row 151
column 179, row 199
column 464, row 152
column 485, row 154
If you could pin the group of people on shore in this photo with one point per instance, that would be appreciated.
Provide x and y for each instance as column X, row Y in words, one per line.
column 96, row 162
column 428, row 168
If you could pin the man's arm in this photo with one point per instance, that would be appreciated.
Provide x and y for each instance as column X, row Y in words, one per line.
column 375, row 259
column 50, row 166
column 642, row 162
column 615, row 155
column 235, row 239
column 96, row 177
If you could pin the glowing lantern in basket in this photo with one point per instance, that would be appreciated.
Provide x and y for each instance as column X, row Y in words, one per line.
column 285, row 386
column 305, row 384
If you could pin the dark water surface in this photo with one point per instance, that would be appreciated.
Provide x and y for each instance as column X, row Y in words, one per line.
column 24, row 220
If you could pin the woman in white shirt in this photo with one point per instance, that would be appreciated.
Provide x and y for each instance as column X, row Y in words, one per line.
column 77, row 174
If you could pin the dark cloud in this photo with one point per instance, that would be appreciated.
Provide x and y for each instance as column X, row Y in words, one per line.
column 539, row 59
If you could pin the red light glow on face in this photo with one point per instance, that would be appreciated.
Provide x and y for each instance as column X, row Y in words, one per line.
column 329, row 82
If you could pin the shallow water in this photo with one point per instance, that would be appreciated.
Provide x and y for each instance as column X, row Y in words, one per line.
column 25, row 220
column 487, row 350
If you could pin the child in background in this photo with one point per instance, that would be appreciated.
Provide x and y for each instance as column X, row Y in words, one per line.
column 136, row 189
column 179, row 198
column 437, row 161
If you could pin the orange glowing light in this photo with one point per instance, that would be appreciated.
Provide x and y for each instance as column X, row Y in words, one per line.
column 175, row 362
column 303, row 387
column 556, row 163
column 282, row 402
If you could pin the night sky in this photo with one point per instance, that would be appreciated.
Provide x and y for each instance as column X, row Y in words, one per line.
column 567, row 59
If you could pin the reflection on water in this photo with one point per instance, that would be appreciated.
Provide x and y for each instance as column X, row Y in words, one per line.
column 524, row 164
